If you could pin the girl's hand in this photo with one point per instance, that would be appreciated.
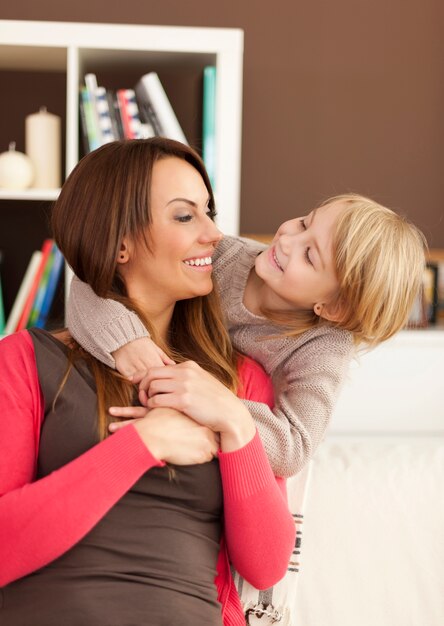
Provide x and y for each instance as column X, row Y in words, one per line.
column 170, row 436
column 136, row 357
column 190, row 389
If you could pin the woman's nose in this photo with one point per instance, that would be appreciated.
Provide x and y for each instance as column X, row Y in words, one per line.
column 211, row 233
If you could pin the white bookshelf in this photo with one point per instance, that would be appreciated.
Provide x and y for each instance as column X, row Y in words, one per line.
column 77, row 48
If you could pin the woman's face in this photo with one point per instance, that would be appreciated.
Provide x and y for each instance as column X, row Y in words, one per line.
column 182, row 238
column 298, row 268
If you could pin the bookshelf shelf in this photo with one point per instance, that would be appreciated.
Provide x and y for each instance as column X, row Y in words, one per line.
column 44, row 63
column 29, row 194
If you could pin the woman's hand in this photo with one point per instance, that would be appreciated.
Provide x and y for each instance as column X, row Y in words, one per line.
column 190, row 389
column 135, row 358
column 169, row 435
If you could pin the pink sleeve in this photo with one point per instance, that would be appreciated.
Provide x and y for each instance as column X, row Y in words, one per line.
column 259, row 528
column 40, row 520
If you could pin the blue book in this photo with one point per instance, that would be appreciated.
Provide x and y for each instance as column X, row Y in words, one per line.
column 209, row 122
column 53, row 280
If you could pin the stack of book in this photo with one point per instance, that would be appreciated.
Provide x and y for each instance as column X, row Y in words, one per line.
column 37, row 290
column 144, row 112
column 138, row 113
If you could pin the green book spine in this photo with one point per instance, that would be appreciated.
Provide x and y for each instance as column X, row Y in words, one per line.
column 209, row 122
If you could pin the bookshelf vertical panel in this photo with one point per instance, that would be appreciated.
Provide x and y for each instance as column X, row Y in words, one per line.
column 72, row 109
column 228, row 138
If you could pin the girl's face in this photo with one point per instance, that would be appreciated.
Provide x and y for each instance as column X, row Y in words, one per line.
column 298, row 268
column 182, row 238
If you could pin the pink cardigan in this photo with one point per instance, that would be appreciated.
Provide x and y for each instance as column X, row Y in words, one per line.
column 40, row 520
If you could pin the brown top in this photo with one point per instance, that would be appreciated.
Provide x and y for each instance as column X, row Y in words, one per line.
column 150, row 560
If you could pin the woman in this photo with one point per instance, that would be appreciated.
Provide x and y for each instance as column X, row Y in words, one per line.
column 96, row 529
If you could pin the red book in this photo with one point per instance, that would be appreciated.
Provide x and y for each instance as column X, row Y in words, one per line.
column 46, row 250
column 129, row 113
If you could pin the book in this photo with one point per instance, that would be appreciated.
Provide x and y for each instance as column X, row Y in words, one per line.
column 209, row 121
column 83, row 124
column 129, row 112
column 149, row 89
column 39, row 297
column 53, row 280
column 89, row 121
column 91, row 88
column 148, row 117
column 104, row 115
column 115, row 114
column 29, row 301
column 23, row 292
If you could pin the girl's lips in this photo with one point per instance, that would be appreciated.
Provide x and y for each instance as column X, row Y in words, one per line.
column 273, row 259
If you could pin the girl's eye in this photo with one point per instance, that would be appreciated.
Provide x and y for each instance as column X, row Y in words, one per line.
column 307, row 256
column 302, row 222
column 184, row 218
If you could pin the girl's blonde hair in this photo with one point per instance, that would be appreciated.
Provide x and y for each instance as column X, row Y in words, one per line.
column 380, row 259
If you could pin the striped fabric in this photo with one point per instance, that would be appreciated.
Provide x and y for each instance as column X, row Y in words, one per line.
column 276, row 605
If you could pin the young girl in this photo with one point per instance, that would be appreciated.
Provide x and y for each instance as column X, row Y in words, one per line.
column 344, row 275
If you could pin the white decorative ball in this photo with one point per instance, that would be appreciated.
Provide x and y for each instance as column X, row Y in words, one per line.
column 16, row 169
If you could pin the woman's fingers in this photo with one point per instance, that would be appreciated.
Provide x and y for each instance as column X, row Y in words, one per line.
column 114, row 426
column 133, row 412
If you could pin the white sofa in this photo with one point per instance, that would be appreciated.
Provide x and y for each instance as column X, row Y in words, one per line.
column 373, row 534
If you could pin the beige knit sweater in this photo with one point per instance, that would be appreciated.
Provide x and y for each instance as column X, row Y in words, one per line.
column 307, row 371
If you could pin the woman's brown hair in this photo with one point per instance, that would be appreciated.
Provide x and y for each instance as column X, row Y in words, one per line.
column 106, row 198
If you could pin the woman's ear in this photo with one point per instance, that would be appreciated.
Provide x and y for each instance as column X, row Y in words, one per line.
column 124, row 252
column 332, row 312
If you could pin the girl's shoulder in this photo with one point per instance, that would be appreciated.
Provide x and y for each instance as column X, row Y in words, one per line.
column 231, row 247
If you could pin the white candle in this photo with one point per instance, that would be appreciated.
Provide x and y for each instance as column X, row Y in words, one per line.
column 43, row 146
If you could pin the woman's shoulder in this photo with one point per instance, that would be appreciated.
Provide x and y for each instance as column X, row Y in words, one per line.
column 17, row 345
column 255, row 384
column 18, row 368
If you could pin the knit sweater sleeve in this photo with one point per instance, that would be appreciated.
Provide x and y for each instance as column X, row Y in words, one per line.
column 306, row 386
column 100, row 325
column 259, row 529
column 42, row 519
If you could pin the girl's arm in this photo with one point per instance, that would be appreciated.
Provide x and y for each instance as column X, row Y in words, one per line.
column 101, row 326
column 306, row 387
column 306, row 384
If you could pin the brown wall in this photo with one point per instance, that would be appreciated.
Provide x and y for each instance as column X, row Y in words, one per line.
column 339, row 95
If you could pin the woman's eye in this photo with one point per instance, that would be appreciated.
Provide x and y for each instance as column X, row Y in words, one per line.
column 183, row 218
column 303, row 224
column 212, row 213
